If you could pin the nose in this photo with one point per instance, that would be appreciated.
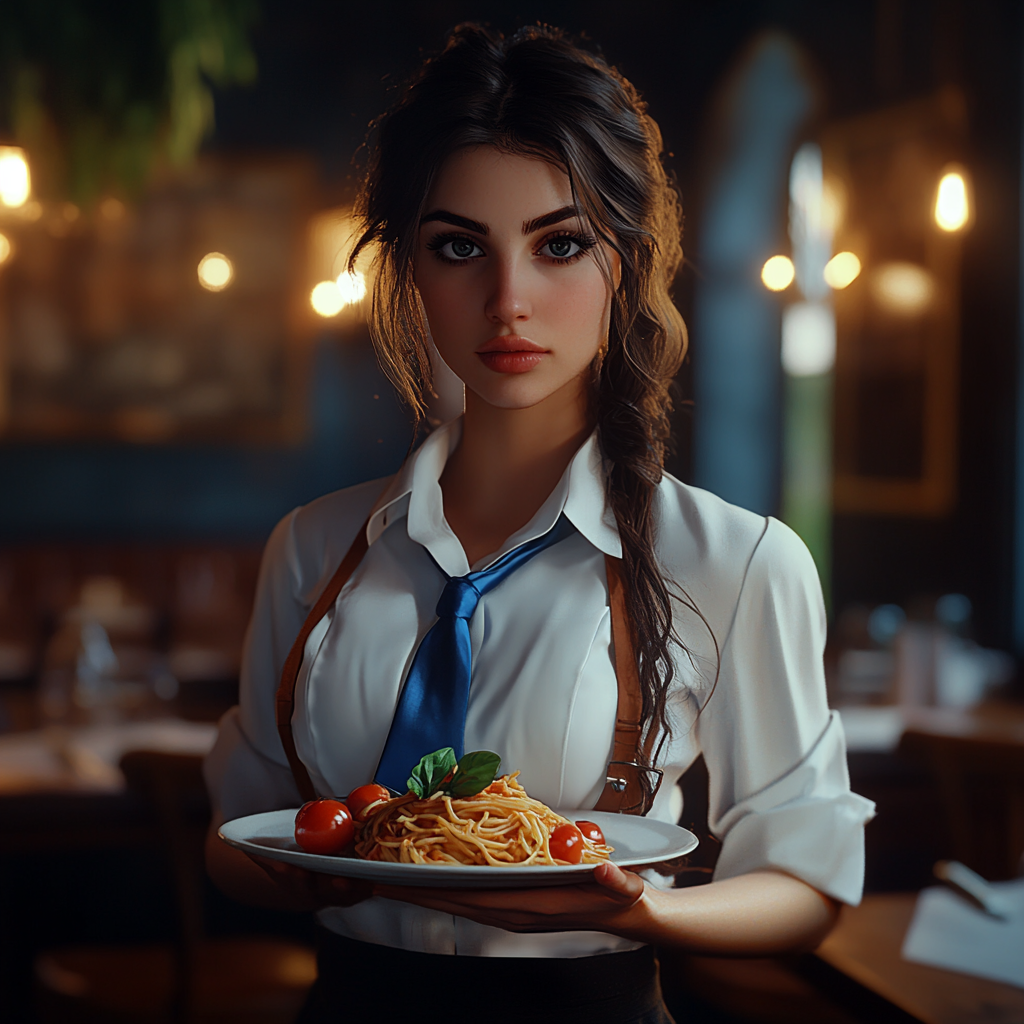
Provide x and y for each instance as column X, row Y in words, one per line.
column 509, row 301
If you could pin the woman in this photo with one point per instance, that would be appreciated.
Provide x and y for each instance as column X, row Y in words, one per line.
column 522, row 221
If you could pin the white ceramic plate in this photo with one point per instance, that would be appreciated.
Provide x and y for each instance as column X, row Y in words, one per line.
column 636, row 840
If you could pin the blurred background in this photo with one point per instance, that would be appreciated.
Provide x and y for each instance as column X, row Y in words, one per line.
column 184, row 358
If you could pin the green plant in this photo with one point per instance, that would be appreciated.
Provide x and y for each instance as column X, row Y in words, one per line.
column 101, row 92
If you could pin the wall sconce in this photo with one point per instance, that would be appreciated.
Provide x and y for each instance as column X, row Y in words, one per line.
column 953, row 204
column 778, row 273
column 15, row 177
column 215, row 272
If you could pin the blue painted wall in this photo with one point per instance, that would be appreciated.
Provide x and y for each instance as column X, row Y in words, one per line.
column 737, row 372
column 211, row 492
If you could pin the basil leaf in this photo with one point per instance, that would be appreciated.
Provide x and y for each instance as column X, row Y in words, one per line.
column 429, row 774
column 475, row 772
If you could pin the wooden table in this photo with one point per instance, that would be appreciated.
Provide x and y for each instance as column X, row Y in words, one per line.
column 865, row 947
column 995, row 721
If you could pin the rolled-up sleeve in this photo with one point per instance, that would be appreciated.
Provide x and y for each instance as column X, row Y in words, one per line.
column 780, row 796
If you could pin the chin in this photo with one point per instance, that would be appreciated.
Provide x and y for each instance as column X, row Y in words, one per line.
column 515, row 393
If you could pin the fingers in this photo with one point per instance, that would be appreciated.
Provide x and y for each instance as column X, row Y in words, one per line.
column 343, row 892
column 488, row 908
column 276, row 870
column 334, row 890
column 551, row 899
column 557, row 908
column 316, row 889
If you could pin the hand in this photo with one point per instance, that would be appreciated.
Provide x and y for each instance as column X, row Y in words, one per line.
column 311, row 890
column 616, row 901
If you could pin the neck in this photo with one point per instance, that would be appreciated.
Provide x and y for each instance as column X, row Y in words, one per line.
column 506, row 465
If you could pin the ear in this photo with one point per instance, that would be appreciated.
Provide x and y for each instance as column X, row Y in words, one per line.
column 614, row 267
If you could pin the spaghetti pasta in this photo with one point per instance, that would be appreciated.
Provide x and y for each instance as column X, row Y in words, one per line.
column 500, row 826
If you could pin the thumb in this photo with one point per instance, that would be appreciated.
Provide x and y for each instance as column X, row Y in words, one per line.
column 625, row 885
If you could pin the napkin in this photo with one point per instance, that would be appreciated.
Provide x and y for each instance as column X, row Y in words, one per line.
column 949, row 932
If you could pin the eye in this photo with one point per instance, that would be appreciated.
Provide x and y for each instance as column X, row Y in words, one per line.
column 561, row 248
column 457, row 250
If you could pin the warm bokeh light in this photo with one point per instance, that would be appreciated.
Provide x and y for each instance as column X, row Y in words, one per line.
column 778, row 273
column 351, row 287
column 112, row 209
column 215, row 272
column 903, row 288
column 329, row 298
column 952, row 207
column 326, row 299
column 332, row 235
column 32, row 210
column 15, row 180
column 842, row 270
column 5, row 249
column 70, row 212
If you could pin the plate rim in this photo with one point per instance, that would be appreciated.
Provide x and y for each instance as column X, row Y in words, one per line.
column 447, row 873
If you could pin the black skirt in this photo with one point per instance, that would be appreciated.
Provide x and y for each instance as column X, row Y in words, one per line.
column 363, row 982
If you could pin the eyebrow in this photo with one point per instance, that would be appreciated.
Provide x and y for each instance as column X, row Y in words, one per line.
column 446, row 217
column 529, row 226
column 555, row 217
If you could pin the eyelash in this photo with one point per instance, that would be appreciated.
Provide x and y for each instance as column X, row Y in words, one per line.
column 585, row 243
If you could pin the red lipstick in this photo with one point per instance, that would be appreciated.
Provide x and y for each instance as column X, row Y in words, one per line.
column 509, row 353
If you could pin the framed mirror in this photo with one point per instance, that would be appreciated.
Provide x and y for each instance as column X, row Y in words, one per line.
column 183, row 316
column 900, row 202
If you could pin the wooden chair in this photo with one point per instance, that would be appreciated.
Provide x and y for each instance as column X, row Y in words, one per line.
column 981, row 783
column 194, row 979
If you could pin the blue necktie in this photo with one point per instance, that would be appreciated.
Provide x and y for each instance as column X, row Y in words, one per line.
column 431, row 711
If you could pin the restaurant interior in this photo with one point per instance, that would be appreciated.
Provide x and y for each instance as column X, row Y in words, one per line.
column 184, row 358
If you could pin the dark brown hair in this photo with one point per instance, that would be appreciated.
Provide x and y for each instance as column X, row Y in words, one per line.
column 536, row 93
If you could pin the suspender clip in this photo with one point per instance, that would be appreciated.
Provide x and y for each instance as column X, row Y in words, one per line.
column 629, row 788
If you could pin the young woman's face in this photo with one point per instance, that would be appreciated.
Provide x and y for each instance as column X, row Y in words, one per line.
column 510, row 278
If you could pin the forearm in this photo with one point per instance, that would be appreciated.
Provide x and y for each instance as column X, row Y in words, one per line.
column 765, row 913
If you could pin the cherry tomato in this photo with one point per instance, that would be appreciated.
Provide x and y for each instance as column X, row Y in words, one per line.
column 591, row 831
column 324, row 826
column 362, row 802
column 566, row 843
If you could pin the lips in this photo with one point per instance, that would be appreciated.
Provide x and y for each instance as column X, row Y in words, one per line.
column 510, row 354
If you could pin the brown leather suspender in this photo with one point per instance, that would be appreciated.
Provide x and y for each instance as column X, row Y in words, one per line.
column 629, row 788
column 285, row 703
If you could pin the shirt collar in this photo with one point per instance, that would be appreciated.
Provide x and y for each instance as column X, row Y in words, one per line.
column 415, row 493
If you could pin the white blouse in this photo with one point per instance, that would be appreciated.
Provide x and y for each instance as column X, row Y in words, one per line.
column 543, row 691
